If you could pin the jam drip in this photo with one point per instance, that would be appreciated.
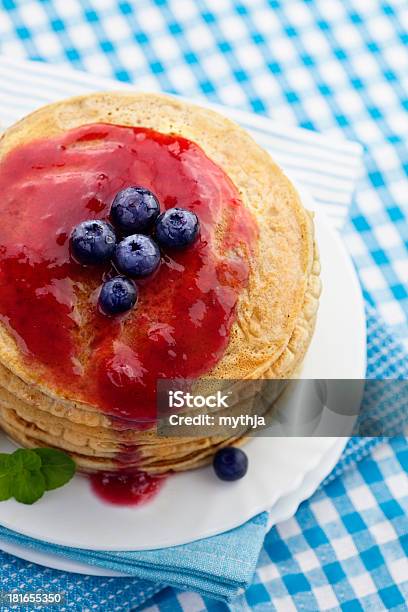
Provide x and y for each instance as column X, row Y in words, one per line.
column 181, row 326
column 126, row 488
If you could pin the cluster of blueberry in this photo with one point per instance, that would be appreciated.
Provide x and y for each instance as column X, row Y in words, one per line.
column 135, row 213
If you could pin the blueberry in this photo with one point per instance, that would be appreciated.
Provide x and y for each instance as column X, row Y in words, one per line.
column 92, row 242
column 230, row 463
column 177, row 228
column 117, row 295
column 137, row 256
column 134, row 210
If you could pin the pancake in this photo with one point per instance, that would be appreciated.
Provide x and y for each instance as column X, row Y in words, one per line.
column 274, row 316
column 177, row 455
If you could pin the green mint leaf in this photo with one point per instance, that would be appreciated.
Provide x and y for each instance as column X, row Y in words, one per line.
column 25, row 459
column 5, row 477
column 56, row 467
column 28, row 486
column 6, row 466
column 26, row 474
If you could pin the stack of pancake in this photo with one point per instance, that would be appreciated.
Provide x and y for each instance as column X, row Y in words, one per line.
column 275, row 315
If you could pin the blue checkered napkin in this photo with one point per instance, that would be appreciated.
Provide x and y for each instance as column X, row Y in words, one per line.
column 219, row 567
column 386, row 359
column 385, row 401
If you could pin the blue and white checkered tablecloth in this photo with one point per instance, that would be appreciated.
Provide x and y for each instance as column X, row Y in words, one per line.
column 355, row 560
column 336, row 66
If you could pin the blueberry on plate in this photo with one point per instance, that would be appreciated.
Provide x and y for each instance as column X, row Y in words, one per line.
column 134, row 210
column 137, row 256
column 92, row 242
column 117, row 295
column 177, row 228
column 230, row 463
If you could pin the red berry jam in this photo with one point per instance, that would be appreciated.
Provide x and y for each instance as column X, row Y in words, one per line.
column 126, row 488
column 181, row 325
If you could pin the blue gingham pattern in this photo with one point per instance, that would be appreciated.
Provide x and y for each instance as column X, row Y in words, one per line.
column 346, row 548
column 338, row 66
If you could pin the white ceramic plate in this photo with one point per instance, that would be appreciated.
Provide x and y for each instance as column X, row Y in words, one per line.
column 284, row 508
column 195, row 504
